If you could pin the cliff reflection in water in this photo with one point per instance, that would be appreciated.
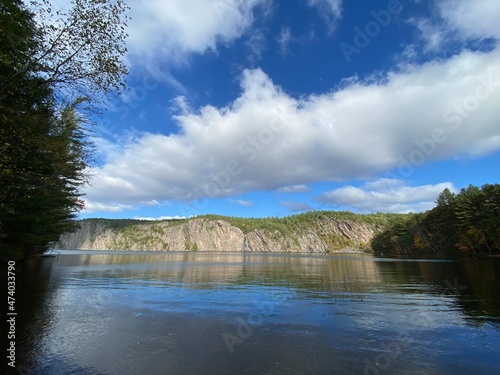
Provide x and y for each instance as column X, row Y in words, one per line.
column 350, row 273
column 475, row 284
column 122, row 312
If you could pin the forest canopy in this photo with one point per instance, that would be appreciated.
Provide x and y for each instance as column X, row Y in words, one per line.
column 463, row 223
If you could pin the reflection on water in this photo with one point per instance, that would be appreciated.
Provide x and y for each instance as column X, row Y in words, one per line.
column 237, row 313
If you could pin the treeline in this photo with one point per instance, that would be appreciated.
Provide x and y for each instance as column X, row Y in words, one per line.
column 287, row 225
column 297, row 223
column 54, row 65
column 463, row 223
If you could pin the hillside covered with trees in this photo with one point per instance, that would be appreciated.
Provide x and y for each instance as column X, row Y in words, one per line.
column 463, row 223
column 310, row 232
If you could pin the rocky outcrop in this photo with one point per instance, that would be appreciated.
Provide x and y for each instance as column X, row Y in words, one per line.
column 196, row 234
column 324, row 237
column 200, row 234
column 85, row 236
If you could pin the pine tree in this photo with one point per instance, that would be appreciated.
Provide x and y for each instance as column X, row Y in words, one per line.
column 44, row 150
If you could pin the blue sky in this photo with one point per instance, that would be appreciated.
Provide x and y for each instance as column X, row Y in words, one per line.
column 268, row 108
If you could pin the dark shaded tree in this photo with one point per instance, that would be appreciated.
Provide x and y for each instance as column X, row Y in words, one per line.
column 48, row 71
column 467, row 222
column 78, row 53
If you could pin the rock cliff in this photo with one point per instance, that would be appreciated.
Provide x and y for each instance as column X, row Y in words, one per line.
column 329, row 234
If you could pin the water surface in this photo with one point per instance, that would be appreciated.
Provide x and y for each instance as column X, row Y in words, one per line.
column 235, row 313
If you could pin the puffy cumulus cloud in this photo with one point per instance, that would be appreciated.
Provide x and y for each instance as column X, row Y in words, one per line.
column 266, row 140
column 472, row 18
column 459, row 21
column 385, row 195
column 178, row 27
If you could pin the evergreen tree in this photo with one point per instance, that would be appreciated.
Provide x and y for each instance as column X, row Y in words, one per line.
column 441, row 223
column 466, row 222
column 43, row 144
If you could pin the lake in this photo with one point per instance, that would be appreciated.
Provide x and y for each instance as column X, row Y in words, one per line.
column 246, row 313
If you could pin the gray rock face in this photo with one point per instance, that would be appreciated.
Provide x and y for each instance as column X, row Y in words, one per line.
column 200, row 234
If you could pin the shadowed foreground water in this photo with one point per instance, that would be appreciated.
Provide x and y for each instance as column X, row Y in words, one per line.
column 234, row 313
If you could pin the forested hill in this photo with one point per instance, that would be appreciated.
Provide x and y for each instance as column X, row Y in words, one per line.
column 315, row 231
column 463, row 223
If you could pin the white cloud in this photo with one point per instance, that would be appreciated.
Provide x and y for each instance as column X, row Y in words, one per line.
column 433, row 34
column 242, row 202
column 178, row 27
column 256, row 43
column 284, row 39
column 91, row 207
column 177, row 217
column 267, row 139
column 460, row 21
column 330, row 10
column 385, row 195
column 295, row 189
column 472, row 18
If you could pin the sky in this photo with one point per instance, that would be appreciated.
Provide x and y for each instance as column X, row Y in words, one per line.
column 264, row 108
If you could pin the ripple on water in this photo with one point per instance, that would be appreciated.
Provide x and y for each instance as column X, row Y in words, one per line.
column 284, row 315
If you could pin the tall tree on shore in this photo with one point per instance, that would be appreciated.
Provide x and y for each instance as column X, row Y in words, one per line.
column 467, row 222
column 76, row 52
column 52, row 64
